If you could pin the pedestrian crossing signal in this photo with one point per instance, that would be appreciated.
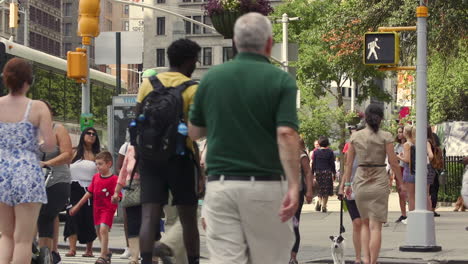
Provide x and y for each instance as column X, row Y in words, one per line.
column 381, row 48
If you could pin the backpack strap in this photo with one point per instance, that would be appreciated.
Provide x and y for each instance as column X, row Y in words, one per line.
column 182, row 87
column 156, row 83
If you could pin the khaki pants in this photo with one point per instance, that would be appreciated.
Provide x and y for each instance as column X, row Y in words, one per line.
column 243, row 226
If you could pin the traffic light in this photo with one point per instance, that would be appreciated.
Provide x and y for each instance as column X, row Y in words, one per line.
column 88, row 20
column 14, row 15
column 77, row 67
column 381, row 48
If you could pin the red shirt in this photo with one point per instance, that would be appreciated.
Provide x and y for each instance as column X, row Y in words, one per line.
column 102, row 189
column 346, row 147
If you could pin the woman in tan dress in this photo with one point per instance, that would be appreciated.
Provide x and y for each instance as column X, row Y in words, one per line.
column 370, row 185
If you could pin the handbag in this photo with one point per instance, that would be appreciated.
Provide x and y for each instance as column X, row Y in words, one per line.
column 131, row 195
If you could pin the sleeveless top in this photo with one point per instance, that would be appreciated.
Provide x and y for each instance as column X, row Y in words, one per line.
column 60, row 173
column 82, row 171
column 21, row 177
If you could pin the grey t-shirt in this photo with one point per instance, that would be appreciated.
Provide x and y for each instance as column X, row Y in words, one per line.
column 60, row 173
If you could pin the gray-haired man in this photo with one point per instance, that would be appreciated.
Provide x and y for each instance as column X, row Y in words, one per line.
column 247, row 110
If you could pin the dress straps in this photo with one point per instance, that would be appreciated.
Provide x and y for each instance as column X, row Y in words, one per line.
column 28, row 110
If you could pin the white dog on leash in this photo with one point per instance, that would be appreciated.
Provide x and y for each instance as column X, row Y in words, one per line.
column 337, row 249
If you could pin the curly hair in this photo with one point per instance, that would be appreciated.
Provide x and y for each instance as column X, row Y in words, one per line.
column 182, row 50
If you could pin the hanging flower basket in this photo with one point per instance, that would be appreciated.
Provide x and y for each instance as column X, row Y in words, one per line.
column 224, row 13
column 224, row 23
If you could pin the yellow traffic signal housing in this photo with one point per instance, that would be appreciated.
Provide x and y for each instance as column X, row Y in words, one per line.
column 88, row 20
column 14, row 15
column 77, row 67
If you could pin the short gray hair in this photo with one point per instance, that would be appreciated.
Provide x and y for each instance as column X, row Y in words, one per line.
column 251, row 32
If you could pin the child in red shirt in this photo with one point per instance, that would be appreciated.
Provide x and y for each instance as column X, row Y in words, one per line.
column 101, row 189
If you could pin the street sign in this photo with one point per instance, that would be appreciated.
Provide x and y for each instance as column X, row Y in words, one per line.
column 381, row 48
column 131, row 48
column 293, row 51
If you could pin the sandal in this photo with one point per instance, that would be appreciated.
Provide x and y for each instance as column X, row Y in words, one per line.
column 88, row 255
column 70, row 253
column 102, row 260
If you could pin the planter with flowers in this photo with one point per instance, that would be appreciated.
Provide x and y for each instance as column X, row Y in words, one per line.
column 223, row 13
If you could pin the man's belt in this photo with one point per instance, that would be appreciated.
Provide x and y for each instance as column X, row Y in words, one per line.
column 274, row 177
column 372, row 165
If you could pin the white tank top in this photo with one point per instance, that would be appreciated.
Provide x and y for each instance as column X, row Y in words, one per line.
column 82, row 171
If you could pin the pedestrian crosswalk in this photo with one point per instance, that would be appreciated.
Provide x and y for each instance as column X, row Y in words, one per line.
column 78, row 259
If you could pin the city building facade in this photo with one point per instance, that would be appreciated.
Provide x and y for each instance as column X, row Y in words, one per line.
column 44, row 30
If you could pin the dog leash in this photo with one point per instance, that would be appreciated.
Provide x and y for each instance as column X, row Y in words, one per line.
column 342, row 229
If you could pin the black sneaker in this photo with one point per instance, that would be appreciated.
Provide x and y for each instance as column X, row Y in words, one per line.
column 56, row 259
column 436, row 214
column 400, row 219
column 318, row 207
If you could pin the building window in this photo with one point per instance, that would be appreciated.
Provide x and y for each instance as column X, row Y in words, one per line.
column 109, row 8
column 227, row 53
column 66, row 47
column 67, row 9
column 207, row 56
column 160, row 58
column 109, row 25
column 160, row 26
column 188, row 27
column 207, row 21
column 186, row 1
column 126, row 9
column 67, row 29
column 161, row 1
column 125, row 26
column 197, row 28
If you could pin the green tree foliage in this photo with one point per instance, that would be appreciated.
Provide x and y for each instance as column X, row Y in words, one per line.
column 329, row 35
column 64, row 95
column 448, row 86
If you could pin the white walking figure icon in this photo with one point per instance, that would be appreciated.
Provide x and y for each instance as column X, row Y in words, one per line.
column 371, row 46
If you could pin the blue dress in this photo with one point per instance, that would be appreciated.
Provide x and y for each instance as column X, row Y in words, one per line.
column 21, row 177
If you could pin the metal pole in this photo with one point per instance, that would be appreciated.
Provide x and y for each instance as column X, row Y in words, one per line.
column 26, row 26
column 353, row 94
column 420, row 231
column 284, row 47
column 118, row 62
column 421, row 115
column 85, row 94
column 139, row 79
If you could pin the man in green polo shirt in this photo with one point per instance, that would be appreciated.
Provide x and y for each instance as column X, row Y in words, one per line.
column 247, row 110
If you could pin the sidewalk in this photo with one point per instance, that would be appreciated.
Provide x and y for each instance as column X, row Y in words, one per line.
column 316, row 227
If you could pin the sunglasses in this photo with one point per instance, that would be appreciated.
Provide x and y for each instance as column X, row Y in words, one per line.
column 92, row 134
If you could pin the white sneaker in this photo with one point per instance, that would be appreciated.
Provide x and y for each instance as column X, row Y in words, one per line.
column 126, row 254
column 405, row 221
column 386, row 224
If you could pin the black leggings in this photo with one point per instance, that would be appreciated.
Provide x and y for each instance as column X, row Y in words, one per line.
column 434, row 190
column 296, row 220
column 57, row 198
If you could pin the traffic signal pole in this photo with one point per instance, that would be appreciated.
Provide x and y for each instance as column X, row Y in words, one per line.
column 86, row 87
column 420, row 231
